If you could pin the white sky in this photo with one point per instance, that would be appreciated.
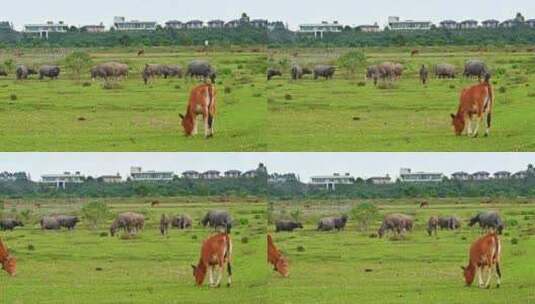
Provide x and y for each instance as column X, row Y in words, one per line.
column 351, row 12
column 304, row 164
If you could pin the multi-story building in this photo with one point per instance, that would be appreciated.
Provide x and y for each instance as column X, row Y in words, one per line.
column 43, row 30
column 232, row 174
column 369, row 28
column 502, row 175
column 259, row 23
column 380, row 180
column 277, row 178
column 480, row 176
column 175, row 24
column 520, row 175
column 449, row 24
column 216, row 24
column 211, row 174
column 509, row 23
column 468, row 25
column 138, row 175
column 121, row 24
column 12, row 177
column 276, row 25
column 250, row 174
column 319, row 29
column 111, row 179
column 232, row 24
column 491, row 23
column 329, row 182
column 61, row 181
column 92, row 28
column 407, row 176
column 395, row 24
column 191, row 174
column 460, row 176
column 194, row 25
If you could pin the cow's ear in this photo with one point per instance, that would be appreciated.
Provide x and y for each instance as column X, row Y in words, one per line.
column 181, row 116
column 452, row 116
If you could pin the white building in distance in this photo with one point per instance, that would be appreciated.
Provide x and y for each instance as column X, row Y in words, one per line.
column 43, row 30
column 319, row 29
column 60, row 181
column 121, row 24
column 329, row 182
column 138, row 175
column 395, row 24
column 407, row 176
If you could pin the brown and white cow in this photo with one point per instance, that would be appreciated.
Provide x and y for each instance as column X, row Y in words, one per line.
column 275, row 257
column 202, row 101
column 485, row 255
column 215, row 253
column 476, row 103
column 9, row 263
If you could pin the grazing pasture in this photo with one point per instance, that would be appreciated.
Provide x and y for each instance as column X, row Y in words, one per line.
column 355, row 266
column 88, row 266
column 351, row 114
column 127, row 116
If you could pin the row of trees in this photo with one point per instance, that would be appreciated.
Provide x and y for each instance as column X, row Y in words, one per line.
column 247, row 35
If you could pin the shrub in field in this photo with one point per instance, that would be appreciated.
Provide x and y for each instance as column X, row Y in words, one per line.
column 361, row 83
column 77, row 62
column 452, row 86
column 502, row 90
column 352, row 61
column 86, row 84
column 288, row 97
column 300, row 248
column 244, row 221
column 387, row 85
column 25, row 214
column 194, row 237
column 13, row 97
column 228, row 90
column 364, row 214
column 111, row 85
column 512, row 223
column 103, row 234
column 95, row 213
column 31, row 247
column 514, row 241
column 245, row 240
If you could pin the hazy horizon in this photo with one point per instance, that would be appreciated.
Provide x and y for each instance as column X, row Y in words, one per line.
column 293, row 12
column 303, row 164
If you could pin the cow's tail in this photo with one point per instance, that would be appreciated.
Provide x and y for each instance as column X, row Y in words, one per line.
column 211, row 105
column 229, row 257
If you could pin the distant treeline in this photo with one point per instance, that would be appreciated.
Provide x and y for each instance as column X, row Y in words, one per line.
column 447, row 188
column 247, row 35
column 97, row 189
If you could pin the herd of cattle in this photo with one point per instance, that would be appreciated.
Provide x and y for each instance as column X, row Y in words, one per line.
column 116, row 70
column 484, row 255
column 387, row 71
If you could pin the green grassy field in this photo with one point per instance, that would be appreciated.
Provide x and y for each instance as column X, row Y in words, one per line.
column 150, row 268
column 332, row 266
column 71, row 115
column 341, row 115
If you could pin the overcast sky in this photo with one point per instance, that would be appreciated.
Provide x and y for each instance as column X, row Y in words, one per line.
column 304, row 164
column 349, row 12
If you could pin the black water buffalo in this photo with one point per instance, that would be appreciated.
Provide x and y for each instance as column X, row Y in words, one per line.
column 50, row 71
column 488, row 220
column 475, row 68
column 10, row 224
column 445, row 70
column 23, row 72
column 129, row 221
column 217, row 219
column 424, row 74
column 172, row 71
column 287, row 226
column 181, row 222
column 50, row 223
column 67, row 221
column 297, row 72
column 109, row 70
column 449, row 222
column 332, row 223
column 272, row 72
column 397, row 223
column 325, row 71
column 201, row 69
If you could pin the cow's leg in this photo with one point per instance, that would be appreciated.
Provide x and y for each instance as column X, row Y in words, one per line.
column 489, row 277
column 229, row 271
column 498, row 275
column 469, row 126
column 211, row 275
column 477, row 122
column 219, row 275
column 479, row 271
column 206, row 125
column 489, row 122
column 195, row 126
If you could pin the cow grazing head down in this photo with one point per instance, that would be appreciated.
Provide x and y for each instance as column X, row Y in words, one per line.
column 9, row 263
column 458, row 124
column 187, row 124
column 469, row 274
column 282, row 267
column 199, row 273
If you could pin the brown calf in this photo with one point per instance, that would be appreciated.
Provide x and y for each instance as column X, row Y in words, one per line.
column 485, row 253
column 275, row 257
column 215, row 252
column 476, row 102
column 202, row 101
column 9, row 263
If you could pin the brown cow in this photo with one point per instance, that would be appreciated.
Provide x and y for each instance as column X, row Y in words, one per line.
column 275, row 257
column 202, row 101
column 141, row 52
column 415, row 52
column 485, row 253
column 215, row 252
column 9, row 263
column 424, row 205
column 155, row 204
column 476, row 102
